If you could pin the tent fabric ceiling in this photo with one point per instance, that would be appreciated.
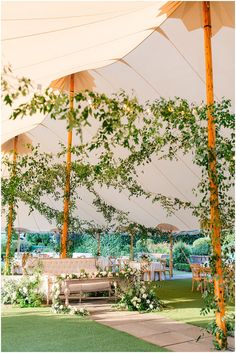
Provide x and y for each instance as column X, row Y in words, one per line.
column 160, row 57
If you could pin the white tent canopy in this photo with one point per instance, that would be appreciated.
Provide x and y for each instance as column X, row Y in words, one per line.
column 152, row 48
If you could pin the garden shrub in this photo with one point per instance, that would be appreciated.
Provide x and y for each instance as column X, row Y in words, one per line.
column 181, row 253
column 25, row 246
column 182, row 267
column 13, row 246
column 228, row 257
column 43, row 239
column 202, row 246
column 160, row 248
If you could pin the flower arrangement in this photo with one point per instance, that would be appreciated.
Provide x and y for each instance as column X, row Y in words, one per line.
column 9, row 292
column 140, row 297
column 25, row 292
column 136, row 295
column 57, row 306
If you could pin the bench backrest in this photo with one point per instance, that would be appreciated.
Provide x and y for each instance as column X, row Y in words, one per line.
column 66, row 266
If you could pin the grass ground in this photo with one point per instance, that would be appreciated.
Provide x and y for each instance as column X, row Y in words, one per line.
column 183, row 304
column 38, row 330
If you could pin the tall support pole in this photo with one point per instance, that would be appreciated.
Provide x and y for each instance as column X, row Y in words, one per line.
column 68, row 172
column 214, row 197
column 171, row 255
column 11, row 210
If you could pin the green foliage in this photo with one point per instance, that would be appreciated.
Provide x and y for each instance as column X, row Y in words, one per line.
column 169, row 127
column 181, row 253
column 39, row 238
column 182, row 267
column 228, row 259
column 13, row 244
column 202, row 246
column 188, row 238
column 160, row 248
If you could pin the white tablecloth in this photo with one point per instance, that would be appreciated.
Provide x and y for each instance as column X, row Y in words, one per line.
column 154, row 266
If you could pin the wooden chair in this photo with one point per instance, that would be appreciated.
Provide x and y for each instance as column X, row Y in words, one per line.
column 205, row 273
column 163, row 270
column 196, row 276
column 146, row 269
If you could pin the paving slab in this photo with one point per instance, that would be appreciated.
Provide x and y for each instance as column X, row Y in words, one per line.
column 154, row 328
column 191, row 347
column 136, row 330
column 168, row 338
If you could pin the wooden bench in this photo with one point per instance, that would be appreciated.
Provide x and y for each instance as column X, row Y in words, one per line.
column 56, row 267
column 87, row 285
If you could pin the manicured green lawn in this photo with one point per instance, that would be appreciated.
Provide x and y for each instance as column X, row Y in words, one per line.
column 183, row 304
column 37, row 330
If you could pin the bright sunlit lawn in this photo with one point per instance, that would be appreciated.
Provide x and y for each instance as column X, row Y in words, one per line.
column 183, row 304
column 38, row 330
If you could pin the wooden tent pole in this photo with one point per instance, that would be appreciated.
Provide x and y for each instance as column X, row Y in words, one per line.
column 11, row 209
column 68, row 171
column 214, row 198
column 171, row 255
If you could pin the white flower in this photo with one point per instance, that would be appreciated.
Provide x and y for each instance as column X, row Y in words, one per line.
column 139, row 300
column 50, row 90
column 137, row 306
column 63, row 275
column 70, row 276
column 61, row 307
column 144, row 296
column 81, row 310
column 151, row 306
column 57, row 92
column 24, row 290
column 148, row 301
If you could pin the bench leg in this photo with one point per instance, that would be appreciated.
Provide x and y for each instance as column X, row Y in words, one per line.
column 67, row 293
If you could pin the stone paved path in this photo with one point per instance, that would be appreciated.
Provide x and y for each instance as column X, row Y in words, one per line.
column 173, row 335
